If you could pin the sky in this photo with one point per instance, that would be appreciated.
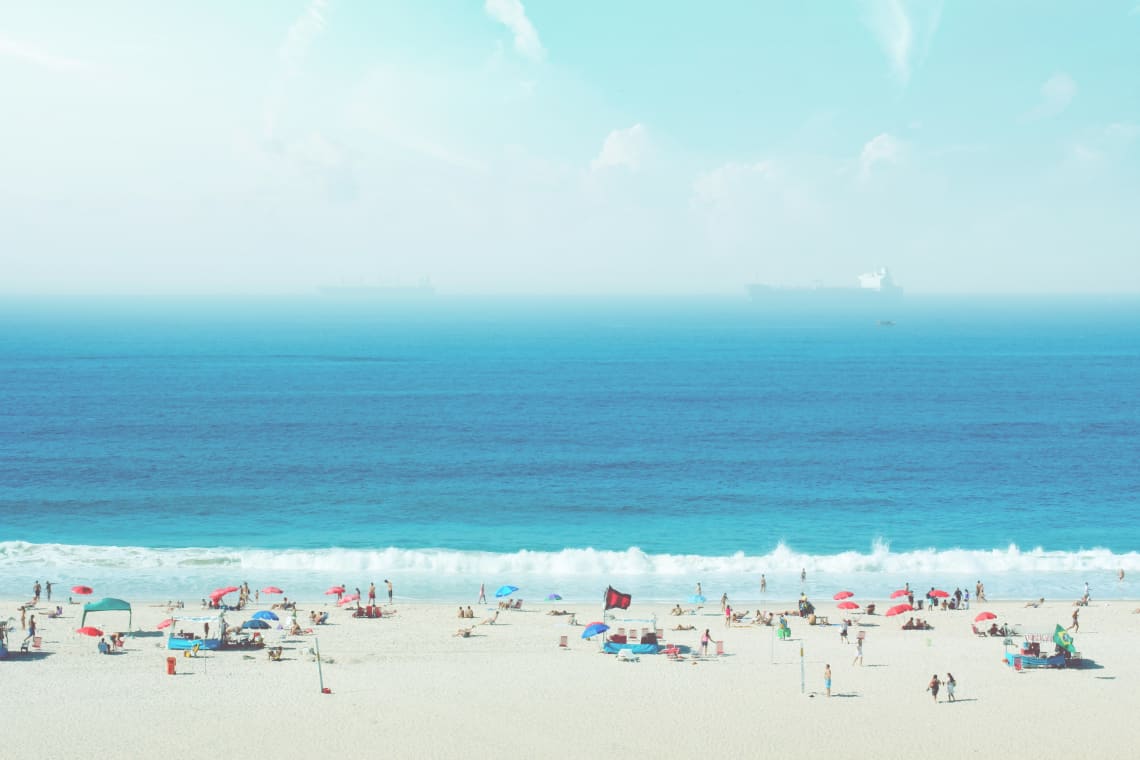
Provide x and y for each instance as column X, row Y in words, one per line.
column 551, row 147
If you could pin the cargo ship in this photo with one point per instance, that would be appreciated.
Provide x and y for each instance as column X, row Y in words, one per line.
column 877, row 287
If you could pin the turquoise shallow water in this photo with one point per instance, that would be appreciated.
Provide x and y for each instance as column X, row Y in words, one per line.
column 568, row 444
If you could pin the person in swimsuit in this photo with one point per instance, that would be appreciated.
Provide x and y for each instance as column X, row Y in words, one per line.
column 389, row 590
column 950, row 684
column 705, row 638
column 932, row 687
column 827, row 678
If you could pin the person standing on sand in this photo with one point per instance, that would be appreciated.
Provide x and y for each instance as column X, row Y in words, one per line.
column 764, row 583
column 1076, row 626
column 706, row 637
column 36, row 592
column 932, row 687
column 827, row 678
column 980, row 592
column 728, row 616
column 389, row 583
column 482, row 594
column 843, row 633
column 950, row 685
column 371, row 594
column 723, row 601
column 858, row 652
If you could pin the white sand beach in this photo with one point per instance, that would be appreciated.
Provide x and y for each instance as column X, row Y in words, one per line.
column 405, row 685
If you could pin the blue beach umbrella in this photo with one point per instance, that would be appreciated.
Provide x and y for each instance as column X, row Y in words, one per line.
column 697, row 599
column 256, row 624
column 506, row 590
column 593, row 629
column 265, row 615
column 554, row 597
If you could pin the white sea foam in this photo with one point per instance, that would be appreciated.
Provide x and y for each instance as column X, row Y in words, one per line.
column 1011, row 572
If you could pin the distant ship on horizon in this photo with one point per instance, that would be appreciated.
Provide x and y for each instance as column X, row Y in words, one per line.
column 423, row 289
column 875, row 287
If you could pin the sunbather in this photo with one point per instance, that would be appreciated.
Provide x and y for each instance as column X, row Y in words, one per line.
column 490, row 620
column 464, row 632
column 679, row 627
column 1038, row 603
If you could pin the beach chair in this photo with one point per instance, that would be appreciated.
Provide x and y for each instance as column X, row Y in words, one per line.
column 562, row 642
column 720, row 648
column 976, row 631
column 660, row 634
column 626, row 655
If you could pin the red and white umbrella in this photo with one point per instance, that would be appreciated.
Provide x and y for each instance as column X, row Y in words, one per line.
column 165, row 624
column 900, row 592
column 984, row 616
column 899, row 609
column 847, row 606
column 89, row 631
column 271, row 590
column 843, row 595
column 81, row 590
column 939, row 593
column 335, row 590
column 349, row 598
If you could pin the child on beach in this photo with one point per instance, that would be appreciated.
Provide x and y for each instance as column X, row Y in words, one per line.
column 827, row 678
column 705, row 638
column 858, row 652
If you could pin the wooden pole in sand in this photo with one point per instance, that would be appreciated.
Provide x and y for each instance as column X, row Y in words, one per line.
column 801, row 667
column 320, row 674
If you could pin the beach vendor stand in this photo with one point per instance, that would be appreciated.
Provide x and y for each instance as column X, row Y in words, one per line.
column 107, row 605
column 188, row 642
column 636, row 644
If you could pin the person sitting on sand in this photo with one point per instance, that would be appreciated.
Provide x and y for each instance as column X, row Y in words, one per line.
column 677, row 611
column 1082, row 602
column 490, row 620
column 104, row 647
column 464, row 633
column 908, row 625
column 1038, row 603
column 994, row 630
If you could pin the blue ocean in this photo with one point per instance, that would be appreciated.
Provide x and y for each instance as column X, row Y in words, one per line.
column 159, row 448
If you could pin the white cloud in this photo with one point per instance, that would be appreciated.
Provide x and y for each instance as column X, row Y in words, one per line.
column 511, row 14
column 623, row 147
column 895, row 29
column 22, row 51
column 1122, row 131
column 1056, row 95
column 879, row 149
column 302, row 33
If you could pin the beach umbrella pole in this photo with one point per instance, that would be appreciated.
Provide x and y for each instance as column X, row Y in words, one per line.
column 801, row 667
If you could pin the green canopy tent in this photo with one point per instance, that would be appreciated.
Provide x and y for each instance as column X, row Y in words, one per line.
column 106, row 605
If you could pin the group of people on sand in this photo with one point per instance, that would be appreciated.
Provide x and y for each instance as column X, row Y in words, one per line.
column 466, row 613
column 949, row 683
column 917, row 624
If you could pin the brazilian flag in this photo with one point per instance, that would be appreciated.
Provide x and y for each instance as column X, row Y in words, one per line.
column 1062, row 639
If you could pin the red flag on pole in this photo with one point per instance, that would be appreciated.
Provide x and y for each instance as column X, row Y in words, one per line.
column 616, row 599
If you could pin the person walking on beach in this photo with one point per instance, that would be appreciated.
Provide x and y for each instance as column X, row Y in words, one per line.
column 31, row 629
column 764, row 583
column 843, row 633
column 482, row 593
column 389, row 584
column 723, row 601
column 699, row 589
column 1076, row 626
column 950, row 684
column 706, row 637
column 827, row 678
column 980, row 592
column 858, row 652
column 371, row 594
column 47, row 587
column 728, row 616
column 932, row 687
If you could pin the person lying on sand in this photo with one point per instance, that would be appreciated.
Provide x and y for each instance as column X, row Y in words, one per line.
column 464, row 632
column 1038, row 603
column 490, row 620
column 560, row 612
column 684, row 628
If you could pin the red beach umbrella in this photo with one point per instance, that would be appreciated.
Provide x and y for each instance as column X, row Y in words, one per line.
column 229, row 589
column 847, row 606
column 349, row 598
column 271, row 590
column 89, row 631
column 939, row 593
column 843, row 595
column 335, row 590
column 900, row 592
column 899, row 609
column 218, row 593
column 81, row 590
column 984, row 616
column 165, row 623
